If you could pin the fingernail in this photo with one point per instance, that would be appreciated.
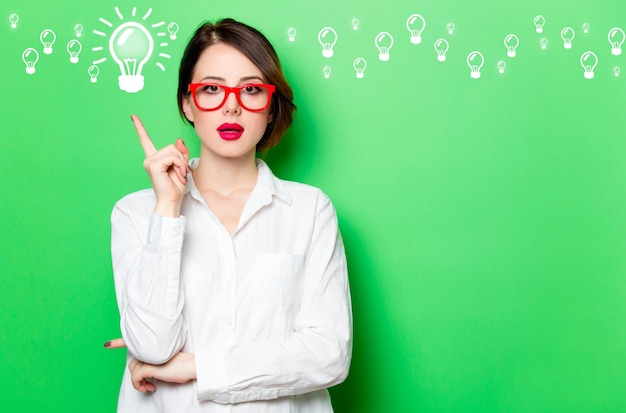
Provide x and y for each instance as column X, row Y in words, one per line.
column 107, row 344
column 131, row 118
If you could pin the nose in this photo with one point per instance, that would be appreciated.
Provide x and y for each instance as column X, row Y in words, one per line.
column 231, row 107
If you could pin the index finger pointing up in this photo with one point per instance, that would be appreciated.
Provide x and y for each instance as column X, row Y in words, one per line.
column 144, row 138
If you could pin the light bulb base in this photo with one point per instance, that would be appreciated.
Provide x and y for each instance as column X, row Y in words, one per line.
column 30, row 70
column 47, row 50
column 511, row 53
column 475, row 75
column 539, row 30
column 567, row 45
column 360, row 75
column 327, row 53
column 74, row 59
column 130, row 83
column 13, row 25
column 384, row 57
column 93, row 79
column 441, row 58
column 173, row 37
column 616, row 51
column 416, row 39
column 589, row 75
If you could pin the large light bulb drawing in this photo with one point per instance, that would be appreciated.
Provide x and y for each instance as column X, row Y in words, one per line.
column 327, row 37
column 567, row 34
column 511, row 42
column 30, row 58
column 74, row 48
column 291, row 33
column 172, row 29
column 78, row 29
column 539, row 22
column 441, row 47
column 359, row 65
column 384, row 43
column 475, row 61
column 589, row 61
column 47, row 38
column 13, row 19
column 93, row 72
column 416, row 24
column 131, row 46
column 616, row 38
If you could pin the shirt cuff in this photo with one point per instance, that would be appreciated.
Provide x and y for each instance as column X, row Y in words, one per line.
column 166, row 233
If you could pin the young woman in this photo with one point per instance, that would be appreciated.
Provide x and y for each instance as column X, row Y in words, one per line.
column 231, row 283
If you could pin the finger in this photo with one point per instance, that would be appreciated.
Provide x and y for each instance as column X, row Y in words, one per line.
column 144, row 138
column 116, row 343
column 180, row 145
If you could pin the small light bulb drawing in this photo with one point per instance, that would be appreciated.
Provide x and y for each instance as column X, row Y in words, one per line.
column 511, row 42
column 326, row 70
column 172, row 29
column 359, row 65
column 501, row 66
column 475, row 61
column 30, row 58
column 384, row 43
column 450, row 28
column 441, row 47
column 589, row 61
column 616, row 71
column 355, row 24
column 131, row 46
column 93, row 72
column 291, row 33
column 13, row 19
column 616, row 39
column 78, row 29
column 47, row 38
column 327, row 37
column 585, row 28
column 74, row 48
column 416, row 24
column 539, row 22
column 544, row 43
column 567, row 34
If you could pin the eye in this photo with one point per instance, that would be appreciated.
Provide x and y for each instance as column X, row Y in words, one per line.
column 212, row 89
column 251, row 89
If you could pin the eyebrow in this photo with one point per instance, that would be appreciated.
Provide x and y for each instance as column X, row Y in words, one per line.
column 221, row 79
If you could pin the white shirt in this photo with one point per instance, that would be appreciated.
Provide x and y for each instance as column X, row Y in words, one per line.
column 266, row 310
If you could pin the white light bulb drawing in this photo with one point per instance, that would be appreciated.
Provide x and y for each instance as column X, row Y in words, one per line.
column 93, row 72
column 74, row 48
column 501, row 66
column 567, row 34
column 30, row 58
column 131, row 46
column 384, row 43
column 326, row 70
column 291, row 33
column 327, row 37
column 359, row 65
column 585, row 28
column 47, row 38
column 416, row 24
column 616, row 39
column 511, row 42
column 539, row 22
column 355, row 24
column 616, row 71
column 172, row 29
column 475, row 61
column 544, row 43
column 441, row 47
column 450, row 28
column 589, row 61
column 78, row 29
column 13, row 19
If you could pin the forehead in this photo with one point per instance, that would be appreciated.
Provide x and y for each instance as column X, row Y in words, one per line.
column 224, row 61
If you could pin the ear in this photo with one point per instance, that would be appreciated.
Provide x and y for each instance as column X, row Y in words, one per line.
column 187, row 108
column 270, row 117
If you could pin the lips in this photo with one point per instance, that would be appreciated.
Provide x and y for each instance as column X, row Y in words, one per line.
column 230, row 131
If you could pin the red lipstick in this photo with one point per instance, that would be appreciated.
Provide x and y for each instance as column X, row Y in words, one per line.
column 230, row 131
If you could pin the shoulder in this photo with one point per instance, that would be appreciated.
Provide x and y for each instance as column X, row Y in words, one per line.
column 136, row 202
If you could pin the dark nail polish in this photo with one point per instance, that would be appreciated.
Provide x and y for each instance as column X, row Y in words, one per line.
column 107, row 344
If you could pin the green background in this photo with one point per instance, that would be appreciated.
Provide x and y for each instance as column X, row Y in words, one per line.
column 483, row 218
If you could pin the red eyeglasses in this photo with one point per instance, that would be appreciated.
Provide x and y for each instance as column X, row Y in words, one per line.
column 254, row 97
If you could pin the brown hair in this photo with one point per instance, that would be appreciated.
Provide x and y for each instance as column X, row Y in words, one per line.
column 256, row 47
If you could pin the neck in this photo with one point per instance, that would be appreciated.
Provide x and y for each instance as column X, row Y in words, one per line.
column 225, row 175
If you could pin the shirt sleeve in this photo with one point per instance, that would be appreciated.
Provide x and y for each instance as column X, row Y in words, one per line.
column 146, row 253
column 314, row 356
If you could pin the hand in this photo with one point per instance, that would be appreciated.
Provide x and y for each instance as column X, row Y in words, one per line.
column 167, row 168
column 180, row 369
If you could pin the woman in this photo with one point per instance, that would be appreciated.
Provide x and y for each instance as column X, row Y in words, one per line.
column 231, row 284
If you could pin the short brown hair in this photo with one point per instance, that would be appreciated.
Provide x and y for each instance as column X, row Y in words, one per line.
column 256, row 47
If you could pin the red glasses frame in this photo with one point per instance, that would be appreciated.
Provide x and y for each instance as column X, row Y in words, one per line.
column 236, row 90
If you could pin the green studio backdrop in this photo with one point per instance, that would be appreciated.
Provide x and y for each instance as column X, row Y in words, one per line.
column 482, row 198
